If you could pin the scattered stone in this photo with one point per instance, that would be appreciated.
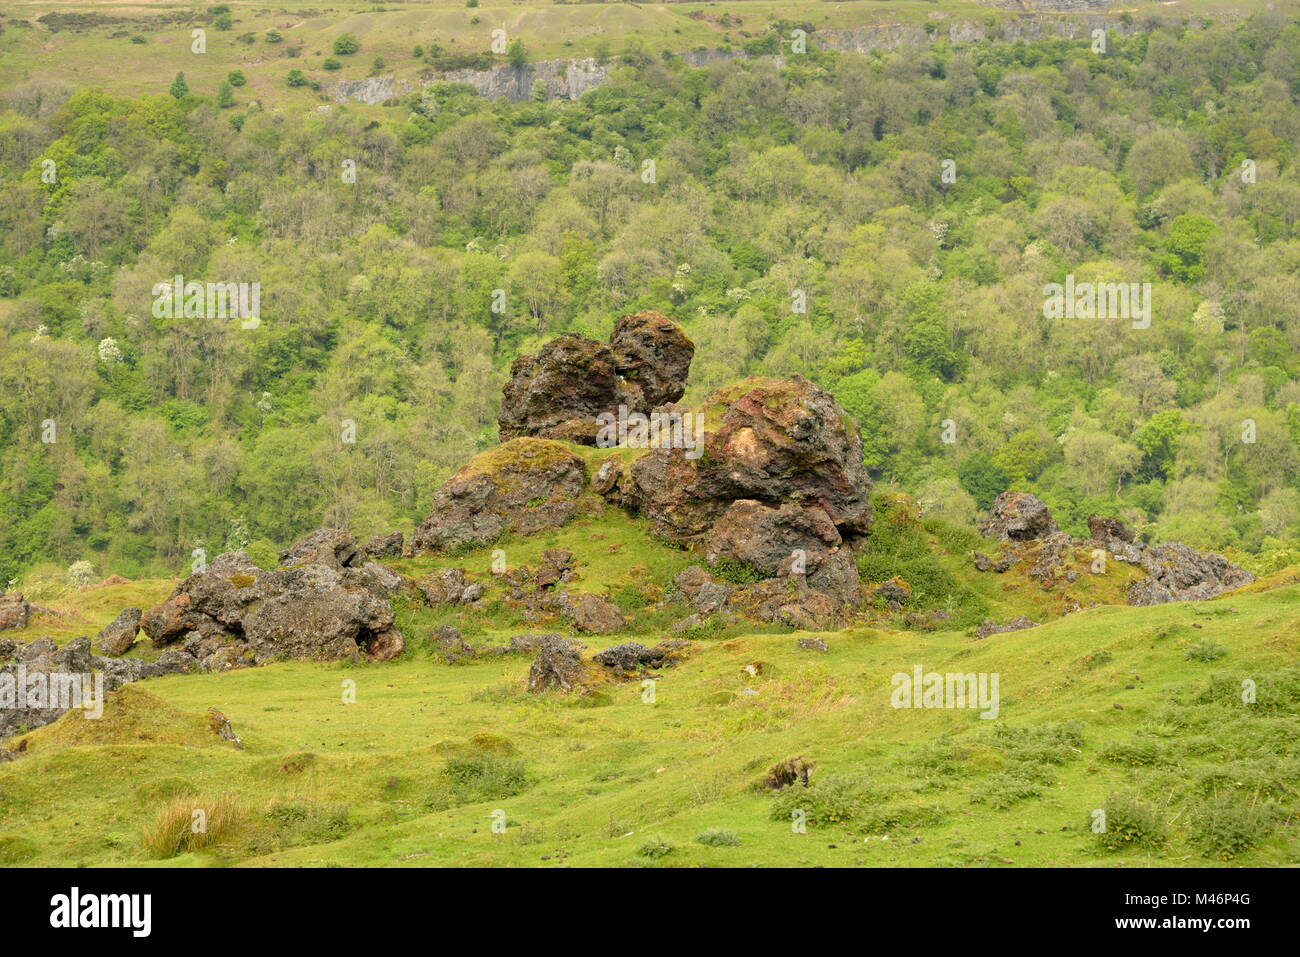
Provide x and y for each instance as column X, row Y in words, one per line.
column 813, row 644
column 1019, row 623
column 710, row 597
column 449, row 643
column 117, row 638
column 220, row 724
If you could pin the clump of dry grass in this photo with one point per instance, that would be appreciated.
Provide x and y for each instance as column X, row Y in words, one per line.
column 186, row 824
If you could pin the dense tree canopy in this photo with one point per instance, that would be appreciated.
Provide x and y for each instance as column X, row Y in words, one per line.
column 793, row 219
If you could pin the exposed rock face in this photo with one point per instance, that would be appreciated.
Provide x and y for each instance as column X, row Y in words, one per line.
column 1018, row 517
column 558, row 393
column 14, row 611
column 234, row 613
column 117, row 638
column 521, row 487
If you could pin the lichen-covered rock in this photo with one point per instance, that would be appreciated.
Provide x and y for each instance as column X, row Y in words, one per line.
column 303, row 611
column 117, row 638
column 558, row 664
column 384, row 546
column 652, row 356
column 325, row 546
column 521, row 487
column 1019, row 517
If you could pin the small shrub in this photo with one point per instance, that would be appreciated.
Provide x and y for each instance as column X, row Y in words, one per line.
column 273, row 36
column 1223, row 825
column 1129, row 824
column 717, row 837
column 346, row 44
column 1205, row 649
column 655, row 848
column 81, row 574
column 296, row 77
column 236, row 78
column 332, row 64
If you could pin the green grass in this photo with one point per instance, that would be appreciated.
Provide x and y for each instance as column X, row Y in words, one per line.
column 1101, row 709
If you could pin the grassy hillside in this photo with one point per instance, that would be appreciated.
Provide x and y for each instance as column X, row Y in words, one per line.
column 1137, row 711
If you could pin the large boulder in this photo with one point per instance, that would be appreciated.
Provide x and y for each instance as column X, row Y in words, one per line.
column 1179, row 573
column 560, row 392
column 117, row 638
column 773, row 441
column 1104, row 529
column 520, row 487
column 235, row 613
column 653, row 358
column 1018, row 517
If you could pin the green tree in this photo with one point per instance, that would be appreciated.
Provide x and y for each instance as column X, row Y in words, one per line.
column 346, row 44
column 516, row 54
column 982, row 478
column 179, row 88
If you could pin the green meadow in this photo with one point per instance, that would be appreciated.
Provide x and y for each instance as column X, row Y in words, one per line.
column 1137, row 712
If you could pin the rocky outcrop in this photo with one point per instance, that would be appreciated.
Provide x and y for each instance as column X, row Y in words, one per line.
column 776, row 442
column 521, row 487
column 40, row 682
column 1018, row 517
column 233, row 613
column 560, row 392
column 1175, row 572
column 117, row 638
